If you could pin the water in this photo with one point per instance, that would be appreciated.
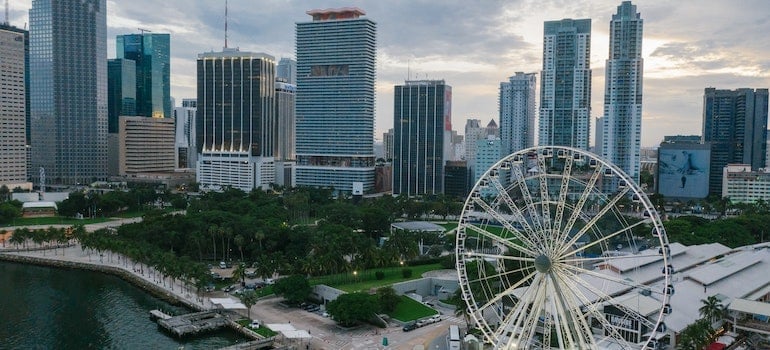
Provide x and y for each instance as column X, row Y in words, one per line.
column 48, row 308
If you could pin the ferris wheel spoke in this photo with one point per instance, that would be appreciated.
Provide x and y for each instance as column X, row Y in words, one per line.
column 593, row 310
column 545, row 210
column 469, row 253
column 608, row 258
column 593, row 221
column 503, row 274
column 529, row 323
column 566, row 313
column 521, row 182
column 579, row 270
column 515, row 210
column 508, row 291
column 510, row 323
column 563, row 190
column 497, row 216
column 508, row 243
column 578, row 209
column 605, row 238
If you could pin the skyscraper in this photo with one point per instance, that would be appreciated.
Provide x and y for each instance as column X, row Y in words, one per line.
column 121, row 91
column 565, row 86
column 13, row 151
column 10, row 28
column 622, row 129
column 285, row 98
column 735, row 123
column 422, row 127
column 68, row 90
column 336, row 54
column 185, row 145
column 287, row 70
column 235, row 119
column 517, row 112
column 151, row 52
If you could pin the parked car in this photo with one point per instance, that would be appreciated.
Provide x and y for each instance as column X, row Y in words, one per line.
column 254, row 324
column 409, row 327
column 421, row 323
column 228, row 289
column 313, row 308
column 222, row 265
column 435, row 319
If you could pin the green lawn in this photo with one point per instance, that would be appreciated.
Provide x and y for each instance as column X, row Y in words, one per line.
column 409, row 310
column 263, row 330
column 56, row 221
column 366, row 280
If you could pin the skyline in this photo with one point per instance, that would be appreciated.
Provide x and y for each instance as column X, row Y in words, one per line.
column 687, row 47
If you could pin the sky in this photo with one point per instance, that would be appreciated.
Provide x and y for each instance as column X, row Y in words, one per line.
column 475, row 45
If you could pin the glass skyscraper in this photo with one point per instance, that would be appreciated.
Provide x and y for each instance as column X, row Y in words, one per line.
column 517, row 112
column 622, row 129
column 735, row 124
column 68, row 90
column 565, row 87
column 336, row 54
column 151, row 52
column 121, row 95
column 235, row 119
column 422, row 128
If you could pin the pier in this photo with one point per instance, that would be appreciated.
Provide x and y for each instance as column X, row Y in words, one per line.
column 159, row 315
column 252, row 345
column 192, row 324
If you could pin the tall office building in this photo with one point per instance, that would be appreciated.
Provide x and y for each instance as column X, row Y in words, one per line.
column 68, row 90
column 622, row 129
column 735, row 123
column 565, row 86
column 517, row 112
column 285, row 139
column 286, row 70
column 121, row 91
column 13, row 150
column 9, row 28
column 235, row 121
column 146, row 145
column 185, row 145
column 151, row 52
column 422, row 129
column 336, row 54
column 387, row 145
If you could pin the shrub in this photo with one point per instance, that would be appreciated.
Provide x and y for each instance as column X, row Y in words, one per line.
column 379, row 275
column 406, row 273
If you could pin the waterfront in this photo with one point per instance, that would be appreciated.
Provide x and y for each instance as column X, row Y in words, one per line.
column 52, row 308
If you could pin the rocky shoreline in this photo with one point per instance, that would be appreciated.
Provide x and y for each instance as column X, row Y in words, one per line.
column 151, row 288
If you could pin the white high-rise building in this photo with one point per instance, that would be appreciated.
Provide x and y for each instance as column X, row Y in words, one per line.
column 517, row 112
column 185, row 154
column 13, row 150
column 622, row 129
column 565, row 84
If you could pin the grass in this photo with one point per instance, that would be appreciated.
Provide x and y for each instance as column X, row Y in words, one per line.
column 262, row 330
column 366, row 280
column 409, row 310
column 56, row 220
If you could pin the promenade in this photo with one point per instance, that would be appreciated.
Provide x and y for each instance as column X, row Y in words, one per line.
column 325, row 334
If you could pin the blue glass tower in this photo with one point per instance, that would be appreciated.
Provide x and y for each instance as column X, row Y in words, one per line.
column 336, row 55
column 68, row 90
column 151, row 52
column 121, row 95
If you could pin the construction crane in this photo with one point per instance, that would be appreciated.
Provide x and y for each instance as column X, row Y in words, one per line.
column 142, row 30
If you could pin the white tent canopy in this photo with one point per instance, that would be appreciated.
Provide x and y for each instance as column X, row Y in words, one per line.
column 227, row 303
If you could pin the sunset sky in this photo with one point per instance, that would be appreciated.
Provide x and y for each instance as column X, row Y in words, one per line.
column 475, row 45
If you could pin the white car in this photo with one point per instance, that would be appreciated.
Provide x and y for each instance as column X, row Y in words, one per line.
column 254, row 324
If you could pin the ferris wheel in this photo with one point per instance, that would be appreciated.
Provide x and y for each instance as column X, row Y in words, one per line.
column 560, row 249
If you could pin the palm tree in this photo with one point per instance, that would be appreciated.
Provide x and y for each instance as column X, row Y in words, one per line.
column 239, row 241
column 213, row 231
column 249, row 298
column 711, row 309
column 240, row 273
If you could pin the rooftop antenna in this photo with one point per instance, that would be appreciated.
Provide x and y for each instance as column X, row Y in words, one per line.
column 142, row 30
column 6, row 13
column 225, row 23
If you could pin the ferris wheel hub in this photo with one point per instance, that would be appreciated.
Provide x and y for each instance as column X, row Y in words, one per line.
column 543, row 264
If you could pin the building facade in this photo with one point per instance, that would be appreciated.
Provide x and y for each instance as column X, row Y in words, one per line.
column 456, row 179
column 565, row 86
column 422, row 127
column 735, row 124
column 286, row 71
column 186, row 154
column 683, row 169
column 151, row 53
column 285, row 98
column 235, row 120
column 517, row 112
column 68, row 90
column 743, row 185
column 622, row 131
column 387, row 145
column 13, row 106
column 121, row 91
column 488, row 152
column 336, row 73
column 146, row 145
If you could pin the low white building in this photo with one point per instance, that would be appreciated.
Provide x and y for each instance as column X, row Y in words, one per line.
column 742, row 185
column 217, row 170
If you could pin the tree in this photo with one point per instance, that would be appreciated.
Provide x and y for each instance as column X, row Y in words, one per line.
column 348, row 309
column 240, row 273
column 8, row 212
column 711, row 309
column 249, row 298
column 387, row 298
column 294, row 288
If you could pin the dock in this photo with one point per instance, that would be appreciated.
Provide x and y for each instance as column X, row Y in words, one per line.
column 159, row 315
column 252, row 345
column 194, row 323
